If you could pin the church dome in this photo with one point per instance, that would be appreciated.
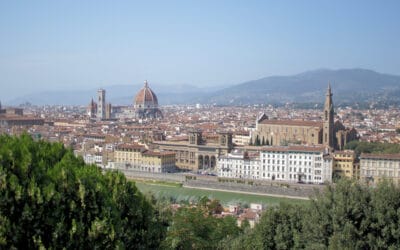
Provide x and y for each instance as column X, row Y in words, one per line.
column 146, row 98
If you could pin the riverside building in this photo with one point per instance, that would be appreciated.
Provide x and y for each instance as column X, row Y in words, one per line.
column 303, row 164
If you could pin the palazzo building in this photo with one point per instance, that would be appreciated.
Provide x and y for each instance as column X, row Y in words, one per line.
column 15, row 117
column 377, row 167
column 283, row 132
column 196, row 153
column 311, row 164
column 138, row 158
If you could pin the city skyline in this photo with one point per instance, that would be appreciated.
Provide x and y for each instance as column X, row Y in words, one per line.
column 50, row 46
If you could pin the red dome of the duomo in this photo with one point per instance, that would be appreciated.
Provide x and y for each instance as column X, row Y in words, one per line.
column 146, row 98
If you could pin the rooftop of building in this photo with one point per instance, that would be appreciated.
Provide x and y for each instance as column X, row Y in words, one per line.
column 380, row 156
column 294, row 148
column 299, row 123
column 146, row 95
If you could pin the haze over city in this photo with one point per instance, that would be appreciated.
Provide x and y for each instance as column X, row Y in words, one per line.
column 74, row 45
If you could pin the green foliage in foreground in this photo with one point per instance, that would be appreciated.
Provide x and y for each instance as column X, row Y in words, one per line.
column 373, row 147
column 51, row 199
column 349, row 216
column 197, row 228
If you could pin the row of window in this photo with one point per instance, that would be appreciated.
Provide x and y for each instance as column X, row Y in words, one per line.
column 291, row 169
column 290, row 156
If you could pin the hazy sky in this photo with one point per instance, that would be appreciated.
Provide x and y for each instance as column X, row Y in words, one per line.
column 52, row 45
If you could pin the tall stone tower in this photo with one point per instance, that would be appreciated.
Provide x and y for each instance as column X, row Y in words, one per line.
column 101, row 104
column 328, row 119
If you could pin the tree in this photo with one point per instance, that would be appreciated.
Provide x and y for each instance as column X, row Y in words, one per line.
column 197, row 228
column 345, row 216
column 49, row 198
column 257, row 142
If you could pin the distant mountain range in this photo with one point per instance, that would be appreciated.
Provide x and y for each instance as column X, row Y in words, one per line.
column 348, row 86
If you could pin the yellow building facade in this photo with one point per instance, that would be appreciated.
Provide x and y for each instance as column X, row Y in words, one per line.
column 137, row 157
column 344, row 165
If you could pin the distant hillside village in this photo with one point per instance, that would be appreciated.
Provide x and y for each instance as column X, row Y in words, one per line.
column 252, row 143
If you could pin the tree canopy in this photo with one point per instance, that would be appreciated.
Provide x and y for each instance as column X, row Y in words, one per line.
column 373, row 147
column 347, row 216
column 195, row 227
column 50, row 198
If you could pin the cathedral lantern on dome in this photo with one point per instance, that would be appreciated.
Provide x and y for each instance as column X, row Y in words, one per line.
column 146, row 104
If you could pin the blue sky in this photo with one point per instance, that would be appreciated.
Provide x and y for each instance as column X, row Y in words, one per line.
column 67, row 45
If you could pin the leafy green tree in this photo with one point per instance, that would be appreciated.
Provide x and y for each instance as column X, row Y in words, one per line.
column 384, row 229
column 373, row 147
column 347, row 215
column 50, row 199
column 197, row 228
column 339, row 217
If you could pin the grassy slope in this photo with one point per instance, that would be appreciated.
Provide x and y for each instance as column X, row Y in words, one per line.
column 226, row 198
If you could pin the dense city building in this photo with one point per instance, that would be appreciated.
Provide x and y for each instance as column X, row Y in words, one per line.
column 10, row 117
column 190, row 133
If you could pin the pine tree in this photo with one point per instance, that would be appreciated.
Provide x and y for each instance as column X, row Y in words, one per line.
column 257, row 141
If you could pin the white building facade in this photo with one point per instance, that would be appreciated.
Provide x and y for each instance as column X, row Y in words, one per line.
column 296, row 164
column 288, row 164
column 238, row 165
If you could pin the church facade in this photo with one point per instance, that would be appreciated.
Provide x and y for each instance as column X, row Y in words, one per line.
column 283, row 132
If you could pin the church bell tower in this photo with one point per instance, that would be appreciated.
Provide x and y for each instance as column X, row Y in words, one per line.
column 328, row 119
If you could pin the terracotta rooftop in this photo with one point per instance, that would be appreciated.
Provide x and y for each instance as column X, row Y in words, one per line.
column 158, row 153
column 130, row 146
column 381, row 156
column 293, row 123
column 294, row 148
column 19, row 118
column 146, row 95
